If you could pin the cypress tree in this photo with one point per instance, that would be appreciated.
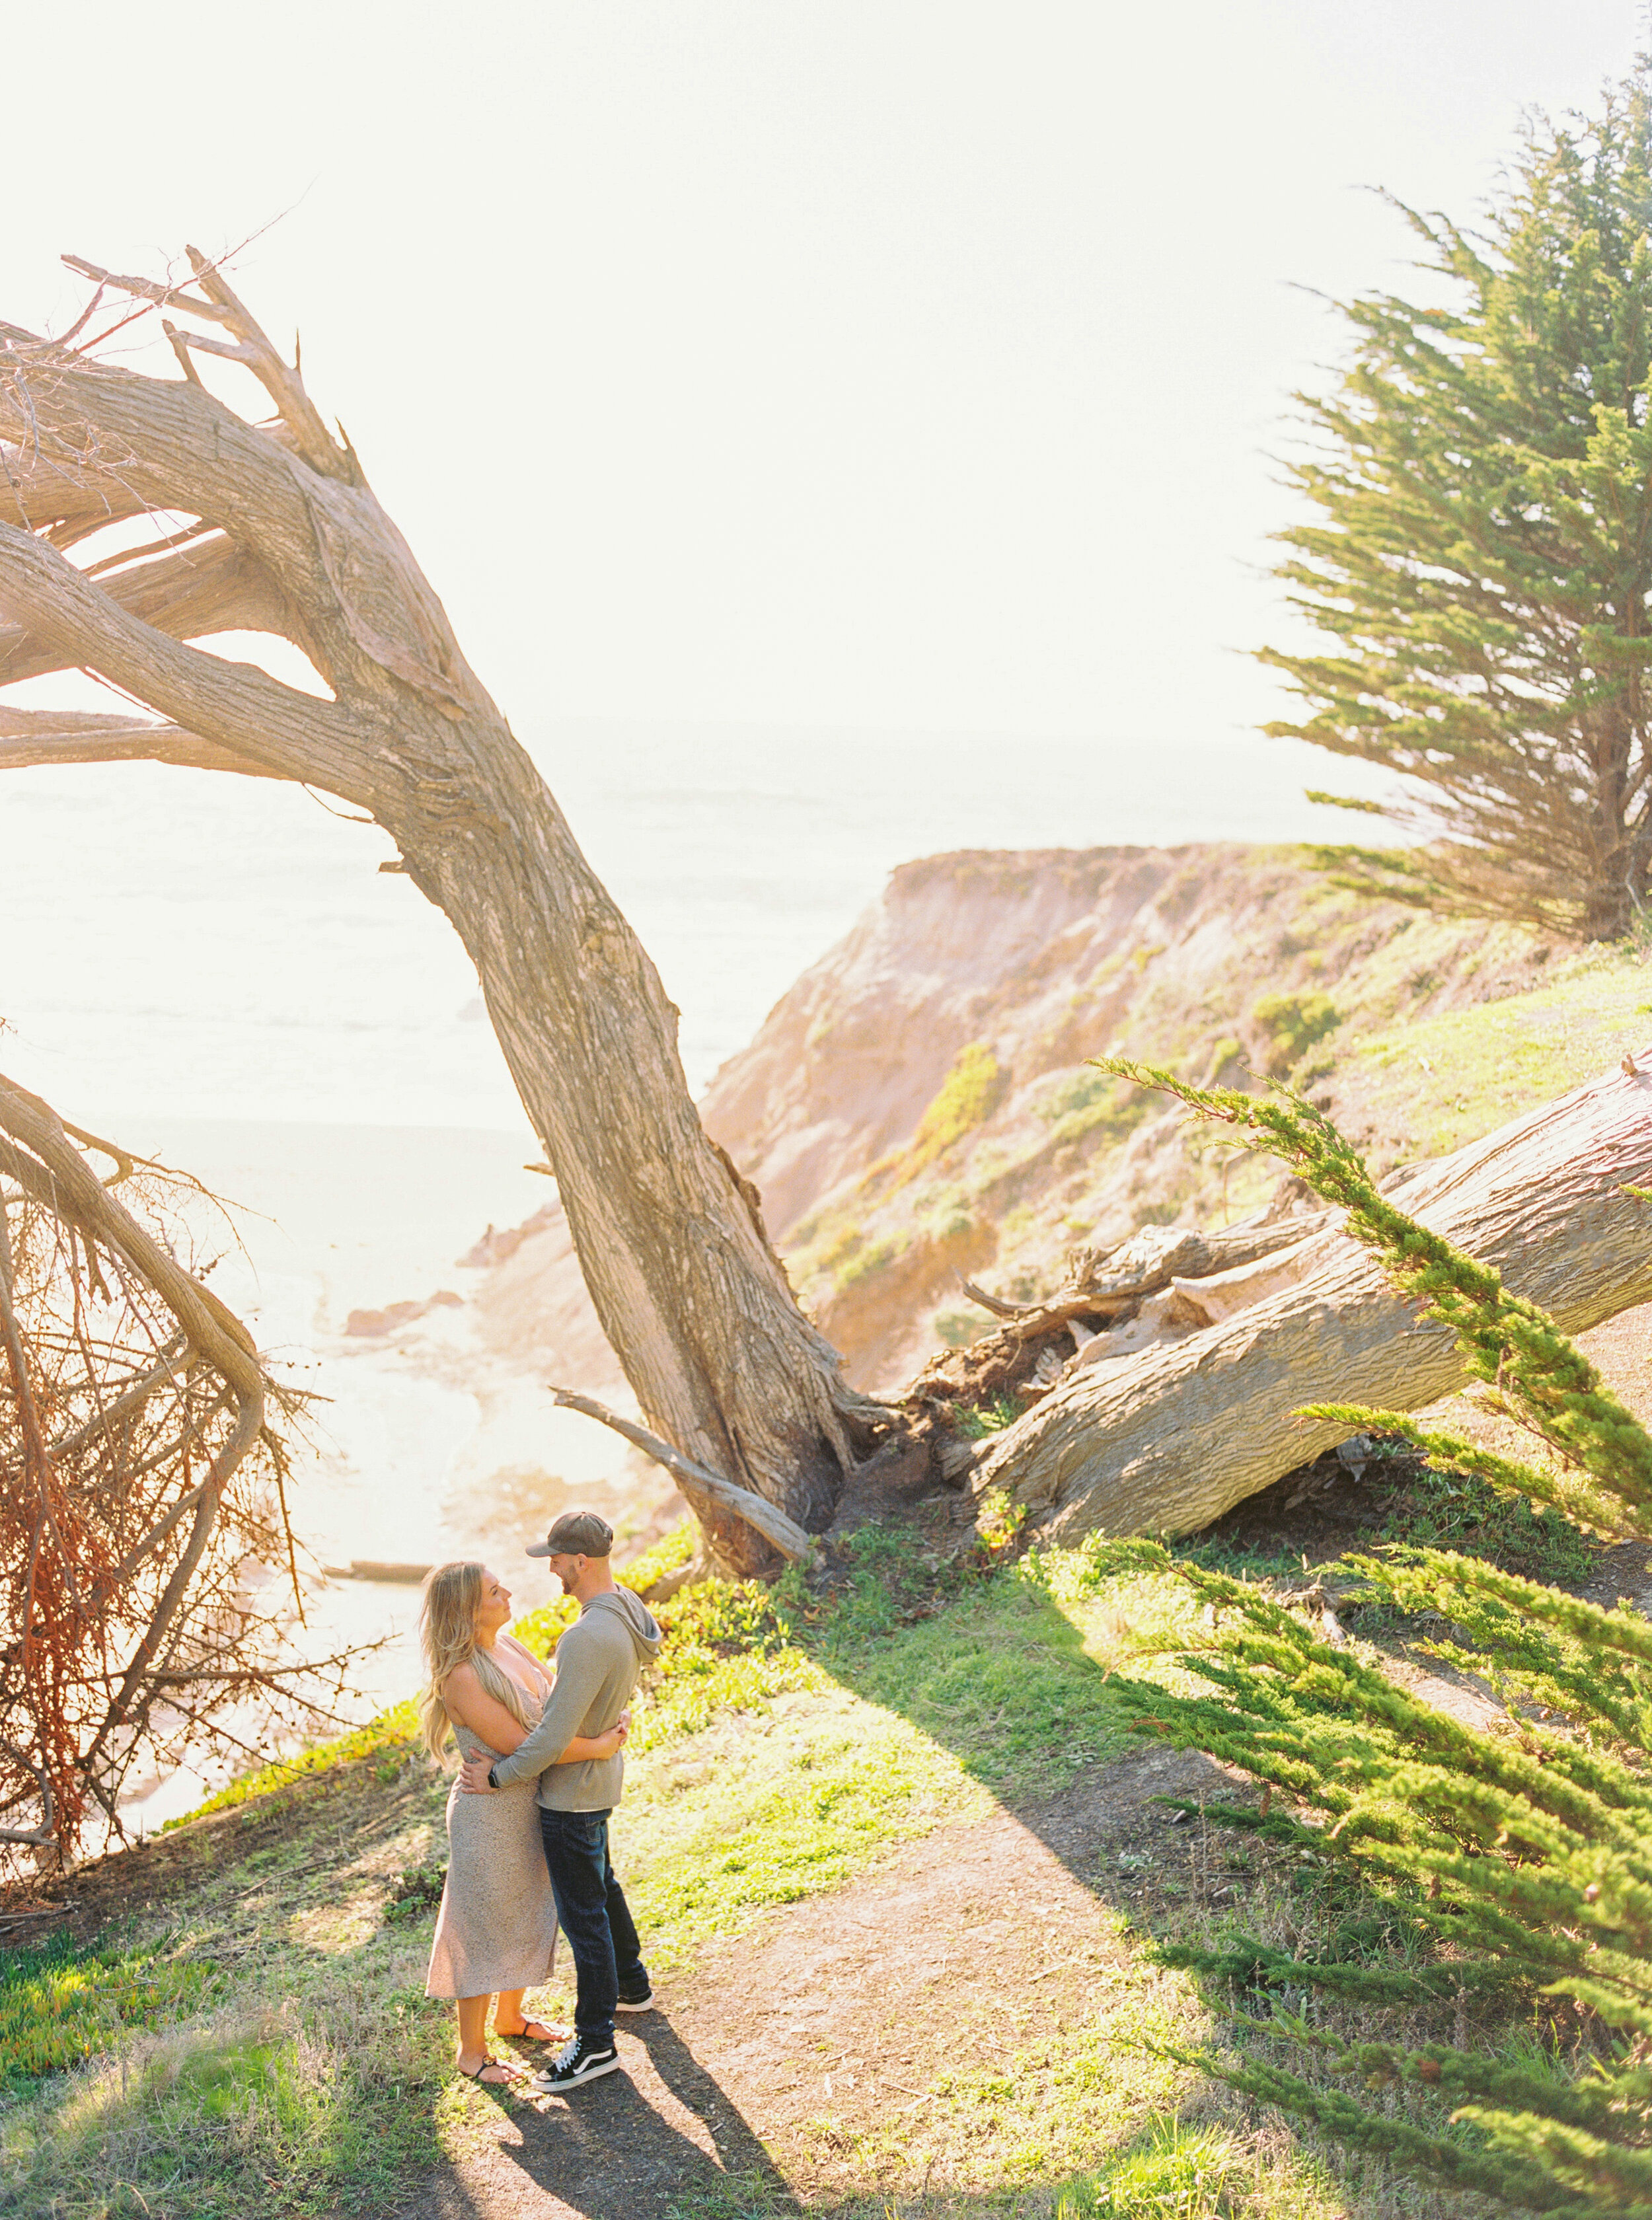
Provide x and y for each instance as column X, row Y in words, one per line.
column 1482, row 558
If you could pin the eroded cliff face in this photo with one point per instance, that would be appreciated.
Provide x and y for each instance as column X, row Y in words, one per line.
column 919, row 1105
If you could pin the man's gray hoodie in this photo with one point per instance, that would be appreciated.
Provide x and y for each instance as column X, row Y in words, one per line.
column 598, row 1661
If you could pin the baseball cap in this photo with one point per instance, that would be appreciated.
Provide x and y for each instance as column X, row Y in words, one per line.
column 576, row 1534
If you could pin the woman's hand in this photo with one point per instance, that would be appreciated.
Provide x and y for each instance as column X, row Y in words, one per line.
column 611, row 1744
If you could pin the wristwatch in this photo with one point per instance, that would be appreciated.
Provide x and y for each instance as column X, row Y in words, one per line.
column 492, row 1783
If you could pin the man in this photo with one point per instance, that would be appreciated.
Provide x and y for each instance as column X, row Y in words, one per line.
column 598, row 1661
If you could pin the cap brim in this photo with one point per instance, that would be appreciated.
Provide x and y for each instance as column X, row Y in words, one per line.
column 539, row 1550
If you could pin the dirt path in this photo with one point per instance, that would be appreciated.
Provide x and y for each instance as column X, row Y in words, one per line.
column 792, row 2053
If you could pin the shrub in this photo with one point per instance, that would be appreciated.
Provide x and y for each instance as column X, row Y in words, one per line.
column 1292, row 1024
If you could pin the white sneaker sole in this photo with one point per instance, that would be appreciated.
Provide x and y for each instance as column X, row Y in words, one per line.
column 643, row 2004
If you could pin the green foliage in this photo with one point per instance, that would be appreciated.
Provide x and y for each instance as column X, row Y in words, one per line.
column 975, row 1421
column 967, row 1097
column 1000, row 1520
column 1480, row 561
column 541, row 1629
column 60, row 2003
column 416, row 1894
column 1293, row 1024
column 1455, row 1510
column 866, row 1261
column 729, row 1646
column 1520, row 1856
column 1086, row 1102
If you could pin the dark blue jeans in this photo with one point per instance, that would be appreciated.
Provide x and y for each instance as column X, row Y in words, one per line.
column 595, row 1919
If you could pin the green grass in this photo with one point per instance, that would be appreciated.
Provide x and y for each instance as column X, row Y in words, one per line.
column 260, row 2042
column 1447, row 1079
column 1455, row 1510
column 60, row 2005
column 1173, row 2175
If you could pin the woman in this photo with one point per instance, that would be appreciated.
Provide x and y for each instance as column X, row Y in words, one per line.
column 496, row 1932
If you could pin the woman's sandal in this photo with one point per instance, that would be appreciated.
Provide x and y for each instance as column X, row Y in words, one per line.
column 510, row 2075
column 525, row 2033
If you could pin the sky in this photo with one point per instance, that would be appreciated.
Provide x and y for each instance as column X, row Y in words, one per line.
column 908, row 367
column 839, row 432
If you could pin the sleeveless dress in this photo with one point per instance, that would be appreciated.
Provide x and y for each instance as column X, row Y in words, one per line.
column 497, row 1925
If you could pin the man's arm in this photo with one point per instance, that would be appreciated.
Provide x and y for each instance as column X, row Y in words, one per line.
column 579, row 1677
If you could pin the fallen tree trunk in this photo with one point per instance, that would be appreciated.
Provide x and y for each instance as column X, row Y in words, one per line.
column 1166, row 1441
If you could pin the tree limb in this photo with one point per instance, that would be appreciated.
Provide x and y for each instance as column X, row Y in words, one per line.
column 36, row 739
column 773, row 1524
column 233, row 705
column 210, row 586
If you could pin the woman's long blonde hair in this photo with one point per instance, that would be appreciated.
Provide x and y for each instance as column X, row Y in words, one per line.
column 447, row 1632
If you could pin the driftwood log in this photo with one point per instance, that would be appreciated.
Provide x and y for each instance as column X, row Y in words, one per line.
column 1165, row 1439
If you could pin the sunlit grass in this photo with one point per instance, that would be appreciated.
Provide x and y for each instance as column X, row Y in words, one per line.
column 790, row 1747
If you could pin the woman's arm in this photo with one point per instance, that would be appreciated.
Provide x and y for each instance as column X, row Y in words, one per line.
column 602, row 1745
column 488, row 1719
column 468, row 1702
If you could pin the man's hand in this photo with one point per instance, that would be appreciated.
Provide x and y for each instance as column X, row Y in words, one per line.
column 473, row 1776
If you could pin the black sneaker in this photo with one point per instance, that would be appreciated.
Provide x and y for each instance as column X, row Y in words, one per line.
column 641, row 1998
column 576, row 2062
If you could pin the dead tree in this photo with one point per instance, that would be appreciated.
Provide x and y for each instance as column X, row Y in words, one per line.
column 140, row 1485
column 273, row 527
column 1164, row 1423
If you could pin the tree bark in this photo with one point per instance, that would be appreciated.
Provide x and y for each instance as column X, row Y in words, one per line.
column 291, row 540
column 1166, row 1441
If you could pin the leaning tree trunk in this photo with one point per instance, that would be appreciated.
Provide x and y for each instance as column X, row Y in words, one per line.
column 1165, row 1441
column 283, row 535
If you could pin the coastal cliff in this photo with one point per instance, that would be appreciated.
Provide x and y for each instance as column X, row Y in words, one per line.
column 919, row 1105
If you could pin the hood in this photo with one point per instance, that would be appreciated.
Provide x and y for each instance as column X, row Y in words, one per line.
column 641, row 1623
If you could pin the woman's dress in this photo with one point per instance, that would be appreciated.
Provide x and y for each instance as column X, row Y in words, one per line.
column 497, row 1926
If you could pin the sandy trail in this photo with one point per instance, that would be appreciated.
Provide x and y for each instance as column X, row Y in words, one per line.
column 787, row 2049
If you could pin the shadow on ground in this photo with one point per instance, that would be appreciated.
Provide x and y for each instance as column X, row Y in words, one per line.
column 793, row 2067
column 636, row 2145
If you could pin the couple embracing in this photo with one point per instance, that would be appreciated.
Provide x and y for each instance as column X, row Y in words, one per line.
column 528, row 1819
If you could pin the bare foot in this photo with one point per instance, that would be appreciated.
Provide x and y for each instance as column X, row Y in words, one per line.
column 530, row 2030
column 494, row 2072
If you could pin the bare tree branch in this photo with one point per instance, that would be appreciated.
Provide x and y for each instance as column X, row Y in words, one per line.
column 34, row 740
column 696, row 1479
column 208, row 587
column 237, row 705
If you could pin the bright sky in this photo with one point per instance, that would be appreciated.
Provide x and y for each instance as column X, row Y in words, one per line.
column 909, row 365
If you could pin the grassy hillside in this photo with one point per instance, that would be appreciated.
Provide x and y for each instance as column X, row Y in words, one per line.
column 236, row 2023
column 919, row 1105
column 914, row 1784
column 1429, row 1086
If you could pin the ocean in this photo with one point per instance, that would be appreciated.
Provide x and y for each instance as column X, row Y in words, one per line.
column 205, row 946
